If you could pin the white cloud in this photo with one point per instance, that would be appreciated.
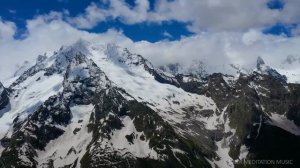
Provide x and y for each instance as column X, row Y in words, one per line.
column 129, row 15
column 46, row 34
column 92, row 16
column 218, row 15
column 118, row 9
column 251, row 37
column 167, row 34
column 7, row 30
column 12, row 11
column 203, row 15
column 290, row 12
column 217, row 50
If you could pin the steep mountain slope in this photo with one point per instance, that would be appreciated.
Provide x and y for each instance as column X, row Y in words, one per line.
column 109, row 126
column 91, row 105
column 262, row 111
column 290, row 68
column 4, row 100
column 22, row 68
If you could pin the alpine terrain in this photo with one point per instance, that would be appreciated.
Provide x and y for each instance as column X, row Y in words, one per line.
column 91, row 105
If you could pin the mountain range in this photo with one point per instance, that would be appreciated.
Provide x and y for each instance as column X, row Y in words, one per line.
column 90, row 105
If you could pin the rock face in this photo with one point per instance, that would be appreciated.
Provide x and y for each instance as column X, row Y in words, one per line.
column 262, row 110
column 259, row 63
column 102, row 106
column 4, row 100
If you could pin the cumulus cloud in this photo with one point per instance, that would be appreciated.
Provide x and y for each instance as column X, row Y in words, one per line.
column 90, row 18
column 217, row 50
column 117, row 9
column 290, row 12
column 216, row 15
column 202, row 15
column 7, row 30
column 130, row 15
column 42, row 36
column 45, row 34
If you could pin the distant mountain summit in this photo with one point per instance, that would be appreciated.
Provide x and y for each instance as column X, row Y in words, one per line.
column 263, row 68
column 91, row 105
column 259, row 63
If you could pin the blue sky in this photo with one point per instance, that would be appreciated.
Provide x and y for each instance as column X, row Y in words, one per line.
column 19, row 12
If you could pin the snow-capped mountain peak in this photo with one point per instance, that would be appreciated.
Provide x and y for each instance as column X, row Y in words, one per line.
column 262, row 68
column 260, row 63
column 91, row 105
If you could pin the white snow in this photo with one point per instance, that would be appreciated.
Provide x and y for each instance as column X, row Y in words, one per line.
column 28, row 96
column 79, row 71
column 223, row 146
column 293, row 76
column 139, row 148
column 243, row 152
column 144, row 88
column 171, row 102
column 22, row 68
column 58, row 149
column 213, row 121
column 7, row 82
column 230, row 80
column 290, row 70
column 225, row 160
column 282, row 122
column 212, row 164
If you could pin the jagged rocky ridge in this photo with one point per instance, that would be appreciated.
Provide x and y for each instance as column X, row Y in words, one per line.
column 4, row 100
column 91, row 105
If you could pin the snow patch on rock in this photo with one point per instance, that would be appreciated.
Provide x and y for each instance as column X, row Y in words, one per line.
column 138, row 147
column 282, row 122
column 73, row 143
